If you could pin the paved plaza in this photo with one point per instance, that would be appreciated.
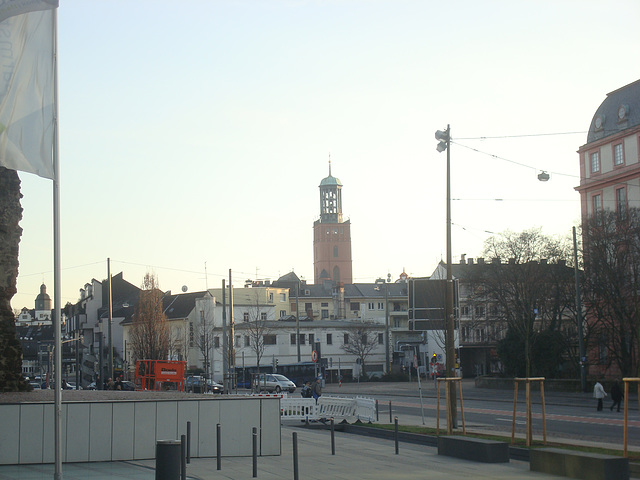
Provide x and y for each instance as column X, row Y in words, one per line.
column 356, row 457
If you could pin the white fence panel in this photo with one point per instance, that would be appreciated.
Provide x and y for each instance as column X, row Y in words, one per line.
column 360, row 408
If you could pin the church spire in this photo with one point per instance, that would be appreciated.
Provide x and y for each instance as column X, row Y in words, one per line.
column 329, row 163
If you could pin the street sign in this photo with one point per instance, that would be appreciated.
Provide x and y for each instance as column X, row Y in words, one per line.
column 314, row 356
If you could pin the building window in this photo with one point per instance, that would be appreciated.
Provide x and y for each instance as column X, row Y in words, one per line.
column 595, row 162
column 335, row 251
column 380, row 305
column 479, row 310
column 324, row 304
column 324, row 313
column 269, row 339
column 380, row 339
column 283, row 297
column 597, row 203
column 308, row 307
column 245, row 317
column 216, row 342
column 371, row 305
column 355, row 306
column 237, row 344
column 621, row 201
column 329, row 339
column 618, row 155
column 247, row 341
column 293, row 339
column 346, row 339
column 271, row 296
column 302, row 338
column 464, row 310
column 311, row 338
column 283, row 313
column 263, row 316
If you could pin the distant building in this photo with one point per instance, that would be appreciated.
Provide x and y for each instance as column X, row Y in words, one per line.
column 332, row 236
column 610, row 160
column 42, row 313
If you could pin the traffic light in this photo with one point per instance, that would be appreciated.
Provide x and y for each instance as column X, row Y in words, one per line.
column 276, row 362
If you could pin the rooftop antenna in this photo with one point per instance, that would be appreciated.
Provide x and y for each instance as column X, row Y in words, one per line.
column 206, row 279
column 329, row 163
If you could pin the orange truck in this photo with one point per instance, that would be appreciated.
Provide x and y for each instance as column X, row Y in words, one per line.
column 160, row 375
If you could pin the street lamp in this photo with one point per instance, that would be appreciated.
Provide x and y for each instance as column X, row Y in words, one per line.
column 444, row 138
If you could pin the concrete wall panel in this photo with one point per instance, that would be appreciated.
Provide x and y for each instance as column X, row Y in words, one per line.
column 77, row 441
column 144, row 441
column 9, row 443
column 122, row 443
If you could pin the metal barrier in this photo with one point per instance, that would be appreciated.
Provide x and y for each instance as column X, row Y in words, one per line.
column 359, row 408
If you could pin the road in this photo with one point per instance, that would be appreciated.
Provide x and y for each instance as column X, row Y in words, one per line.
column 570, row 417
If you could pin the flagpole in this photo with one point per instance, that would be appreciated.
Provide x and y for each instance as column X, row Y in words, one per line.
column 57, row 301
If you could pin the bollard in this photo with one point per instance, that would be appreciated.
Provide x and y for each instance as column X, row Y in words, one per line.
column 377, row 411
column 218, row 447
column 255, row 451
column 188, row 442
column 183, row 457
column 396, row 435
column 168, row 460
column 295, row 456
column 390, row 420
column 333, row 438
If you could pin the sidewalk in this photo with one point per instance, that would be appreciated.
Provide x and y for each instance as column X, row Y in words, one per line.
column 356, row 458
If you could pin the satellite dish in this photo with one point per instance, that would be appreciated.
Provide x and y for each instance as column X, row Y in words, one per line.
column 184, row 288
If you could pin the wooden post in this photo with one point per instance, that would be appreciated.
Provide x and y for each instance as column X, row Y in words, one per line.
column 627, row 381
column 438, row 408
column 529, row 415
column 464, row 429
column 515, row 401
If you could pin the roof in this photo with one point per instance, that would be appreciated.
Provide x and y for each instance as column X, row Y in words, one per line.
column 181, row 305
column 330, row 181
column 609, row 113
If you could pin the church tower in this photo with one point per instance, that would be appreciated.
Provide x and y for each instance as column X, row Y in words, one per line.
column 331, row 236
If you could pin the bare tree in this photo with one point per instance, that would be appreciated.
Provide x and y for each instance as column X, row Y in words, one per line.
column 532, row 293
column 361, row 341
column 611, row 288
column 11, row 379
column 150, row 330
column 203, row 337
column 258, row 329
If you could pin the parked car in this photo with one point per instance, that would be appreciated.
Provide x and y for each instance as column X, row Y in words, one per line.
column 273, row 382
column 197, row 384
column 36, row 385
column 91, row 386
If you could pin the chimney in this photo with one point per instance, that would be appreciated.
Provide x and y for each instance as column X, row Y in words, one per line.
column 470, row 261
column 462, row 258
column 481, row 261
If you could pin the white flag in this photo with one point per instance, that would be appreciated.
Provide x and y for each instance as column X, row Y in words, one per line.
column 26, row 86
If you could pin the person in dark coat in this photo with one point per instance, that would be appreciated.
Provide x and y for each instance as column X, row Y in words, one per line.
column 616, row 395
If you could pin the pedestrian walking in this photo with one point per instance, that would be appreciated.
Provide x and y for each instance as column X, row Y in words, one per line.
column 616, row 395
column 316, row 390
column 599, row 394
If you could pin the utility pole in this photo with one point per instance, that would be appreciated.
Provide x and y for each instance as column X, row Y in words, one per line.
column 110, row 320
column 225, row 356
column 445, row 144
column 232, row 336
column 298, row 320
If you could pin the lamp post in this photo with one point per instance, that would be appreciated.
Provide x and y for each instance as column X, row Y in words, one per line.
column 444, row 139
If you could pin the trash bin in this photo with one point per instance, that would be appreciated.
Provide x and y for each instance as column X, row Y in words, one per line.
column 168, row 459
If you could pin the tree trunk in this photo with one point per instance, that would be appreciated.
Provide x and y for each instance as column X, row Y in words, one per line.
column 11, row 379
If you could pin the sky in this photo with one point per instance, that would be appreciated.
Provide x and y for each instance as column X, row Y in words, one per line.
column 194, row 134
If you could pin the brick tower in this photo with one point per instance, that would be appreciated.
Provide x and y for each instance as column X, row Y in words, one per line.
column 331, row 236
